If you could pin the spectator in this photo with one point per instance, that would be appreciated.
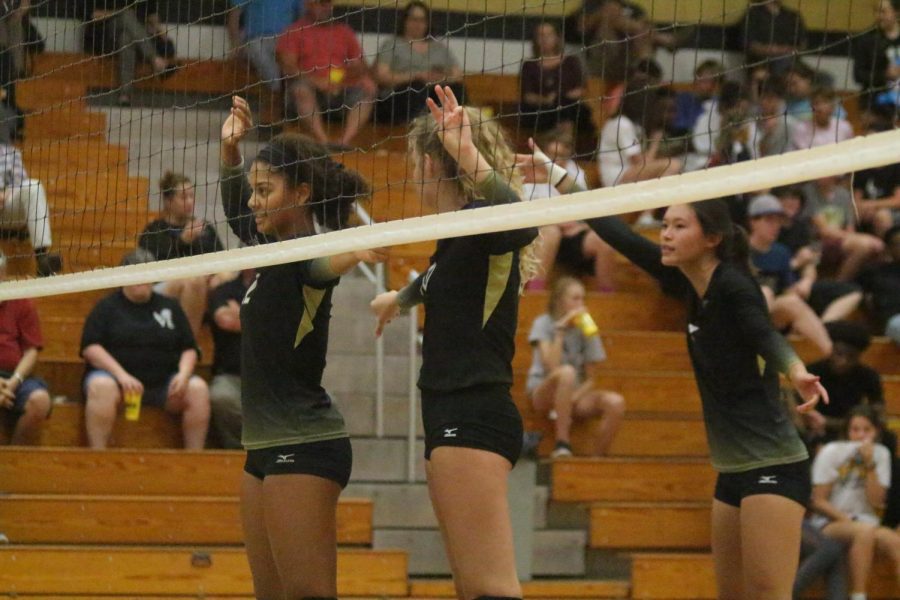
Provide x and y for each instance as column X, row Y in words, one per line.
column 830, row 208
column 689, row 106
column 797, row 230
column 253, row 30
column 777, row 268
column 772, row 130
column 882, row 282
column 772, row 35
column 138, row 341
column 12, row 63
column 323, row 62
column 799, row 81
column 552, row 85
column 561, row 378
column 225, row 388
column 120, row 27
column 773, row 272
column 824, row 127
column 877, row 193
column 723, row 132
column 23, row 395
column 821, row 556
column 408, row 66
column 573, row 246
column 23, row 204
column 178, row 233
column 850, row 383
column 876, row 58
column 850, row 481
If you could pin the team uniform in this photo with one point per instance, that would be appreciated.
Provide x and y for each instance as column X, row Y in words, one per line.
column 471, row 297
column 737, row 356
column 290, row 424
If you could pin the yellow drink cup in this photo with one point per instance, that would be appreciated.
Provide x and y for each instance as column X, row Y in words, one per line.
column 586, row 324
column 132, row 406
column 336, row 75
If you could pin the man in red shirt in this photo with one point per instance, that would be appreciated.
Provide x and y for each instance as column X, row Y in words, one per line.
column 20, row 341
column 322, row 62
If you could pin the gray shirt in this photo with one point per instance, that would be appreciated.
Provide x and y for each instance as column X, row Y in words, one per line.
column 398, row 54
column 578, row 350
column 837, row 210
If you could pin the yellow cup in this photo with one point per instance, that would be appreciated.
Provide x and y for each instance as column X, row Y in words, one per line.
column 336, row 75
column 586, row 324
column 132, row 406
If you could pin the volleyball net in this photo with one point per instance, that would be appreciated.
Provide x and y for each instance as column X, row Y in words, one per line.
column 653, row 103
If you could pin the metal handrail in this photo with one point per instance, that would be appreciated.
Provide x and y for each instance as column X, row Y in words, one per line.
column 412, row 413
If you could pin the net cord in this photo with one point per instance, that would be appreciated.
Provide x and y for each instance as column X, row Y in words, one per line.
column 857, row 154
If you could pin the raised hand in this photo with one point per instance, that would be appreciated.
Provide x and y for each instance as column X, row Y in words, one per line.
column 454, row 128
column 238, row 123
column 535, row 167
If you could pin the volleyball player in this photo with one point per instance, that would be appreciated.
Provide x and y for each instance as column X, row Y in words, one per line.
column 473, row 432
column 298, row 451
column 763, row 484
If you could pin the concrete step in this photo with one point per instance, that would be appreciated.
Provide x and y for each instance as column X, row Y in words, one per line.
column 359, row 413
column 407, row 505
column 556, row 552
column 385, row 460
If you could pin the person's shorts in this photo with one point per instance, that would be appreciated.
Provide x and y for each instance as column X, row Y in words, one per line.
column 826, row 291
column 482, row 417
column 29, row 386
column 332, row 104
column 329, row 459
column 571, row 254
column 791, row 481
column 155, row 396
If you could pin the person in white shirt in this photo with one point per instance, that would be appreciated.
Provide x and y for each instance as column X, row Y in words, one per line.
column 825, row 127
column 850, row 481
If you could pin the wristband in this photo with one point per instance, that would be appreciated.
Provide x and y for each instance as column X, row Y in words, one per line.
column 556, row 173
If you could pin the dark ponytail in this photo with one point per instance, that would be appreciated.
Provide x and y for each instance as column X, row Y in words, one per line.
column 715, row 219
column 332, row 189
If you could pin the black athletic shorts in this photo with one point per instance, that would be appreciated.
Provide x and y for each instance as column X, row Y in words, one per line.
column 571, row 254
column 791, row 481
column 482, row 417
column 331, row 459
column 826, row 291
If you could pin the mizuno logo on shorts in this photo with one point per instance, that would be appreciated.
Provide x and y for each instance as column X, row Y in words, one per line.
column 450, row 432
column 284, row 459
column 769, row 479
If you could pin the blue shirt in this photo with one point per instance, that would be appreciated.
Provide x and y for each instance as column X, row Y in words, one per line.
column 266, row 18
column 688, row 108
column 774, row 267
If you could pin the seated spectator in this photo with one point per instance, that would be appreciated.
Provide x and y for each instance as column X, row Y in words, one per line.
column 253, row 30
column 323, row 63
column 850, row 481
column 552, row 86
column 120, row 27
column 876, row 58
column 24, row 395
column 13, row 63
column 23, row 204
column 778, row 270
column 408, row 66
column 616, row 34
column 225, row 388
column 772, row 35
column 797, row 231
column 882, row 283
column 561, row 378
column 830, row 208
column 877, row 193
column 723, row 132
column 799, row 81
column 177, row 233
column 773, row 271
column 572, row 247
column 824, row 128
column 690, row 106
column 772, row 129
column 138, row 341
column 849, row 382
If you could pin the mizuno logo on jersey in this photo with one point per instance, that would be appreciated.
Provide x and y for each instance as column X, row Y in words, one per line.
column 768, row 479
column 284, row 459
column 692, row 329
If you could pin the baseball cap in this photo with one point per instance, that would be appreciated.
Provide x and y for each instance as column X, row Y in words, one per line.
column 764, row 204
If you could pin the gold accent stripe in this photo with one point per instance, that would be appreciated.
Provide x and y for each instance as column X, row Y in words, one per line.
column 312, row 298
column 499, row 269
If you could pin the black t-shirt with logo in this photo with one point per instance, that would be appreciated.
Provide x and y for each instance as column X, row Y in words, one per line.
column 146, row 339
column 227, row 344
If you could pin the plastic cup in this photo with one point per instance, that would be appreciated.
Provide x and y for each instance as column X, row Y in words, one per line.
column 336, row 76
column 132, row 406
column 586, row 324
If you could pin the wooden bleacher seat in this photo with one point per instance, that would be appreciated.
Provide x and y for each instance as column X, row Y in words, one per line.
column 550, row 589
column 650, row 525
column 136, row 519
column 149, row 570
column 632, row 479
column 667, row 576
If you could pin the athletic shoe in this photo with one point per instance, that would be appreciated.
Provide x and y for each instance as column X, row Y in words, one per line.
column 562, row 450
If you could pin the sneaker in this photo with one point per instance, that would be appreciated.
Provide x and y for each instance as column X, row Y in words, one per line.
column 48, row 263
column 562, row 450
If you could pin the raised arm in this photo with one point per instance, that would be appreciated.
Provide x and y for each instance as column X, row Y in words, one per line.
column 236, row 190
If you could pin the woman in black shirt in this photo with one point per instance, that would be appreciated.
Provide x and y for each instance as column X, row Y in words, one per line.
column 298, row 450
column 763, row 484
column 473, row 431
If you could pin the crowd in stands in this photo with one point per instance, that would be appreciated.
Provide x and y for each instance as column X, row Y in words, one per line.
column 826, row 253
